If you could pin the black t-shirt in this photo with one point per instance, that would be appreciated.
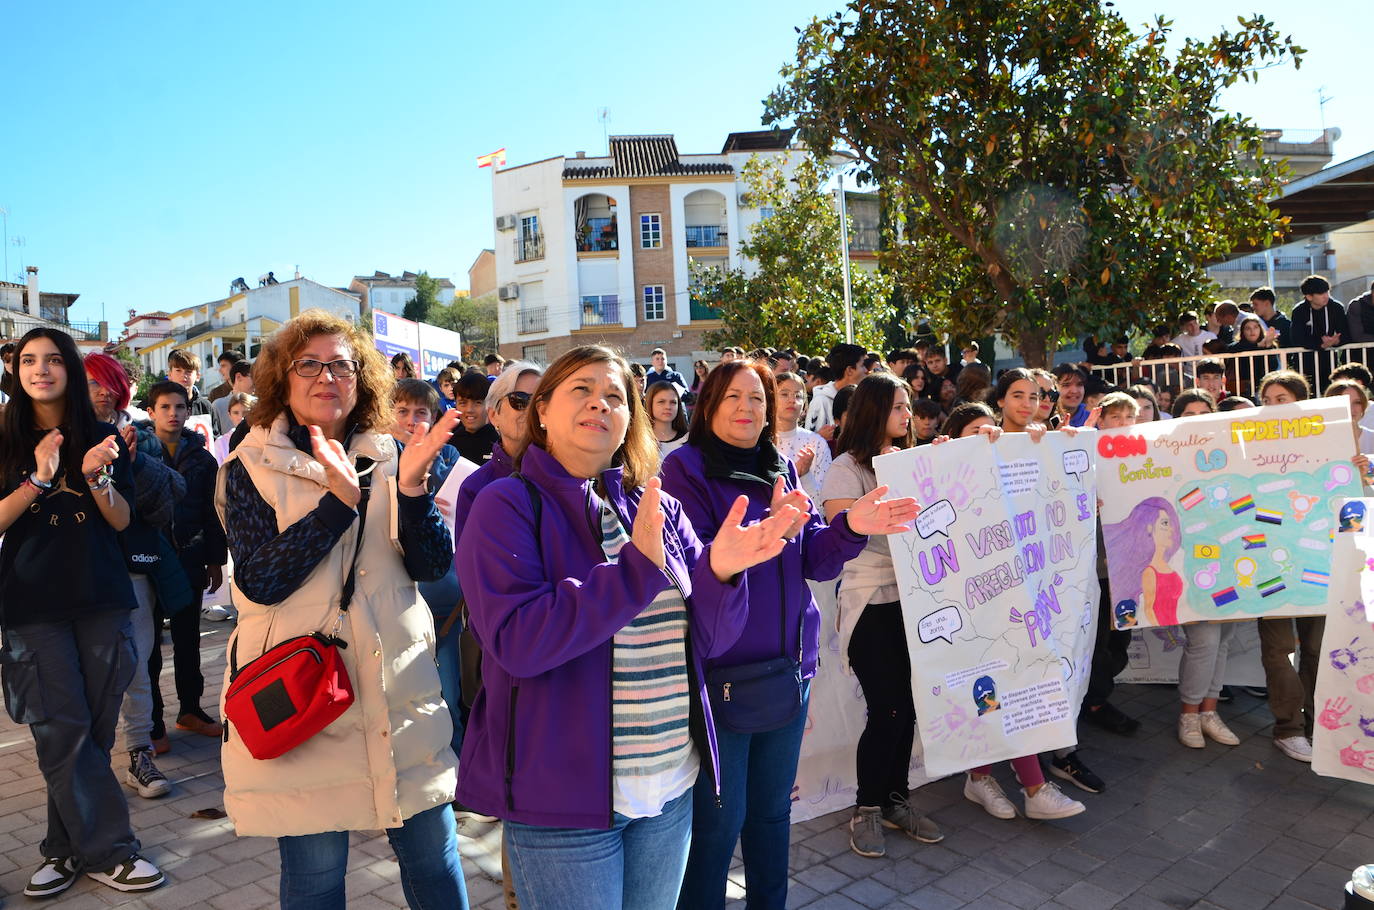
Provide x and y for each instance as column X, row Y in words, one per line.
column 475, row 447
column 61, row 559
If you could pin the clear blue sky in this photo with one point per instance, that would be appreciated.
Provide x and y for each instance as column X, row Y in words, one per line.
column 154, row 152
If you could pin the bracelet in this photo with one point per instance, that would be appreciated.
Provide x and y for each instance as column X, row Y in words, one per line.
column 41, row 486
column 102, row 480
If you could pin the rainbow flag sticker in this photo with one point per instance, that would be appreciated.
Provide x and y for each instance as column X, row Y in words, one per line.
column 1192, row 498
column 1221, row 598
column 1254, row 541
column 1313, row 577
column 1272, row 586
column 1269, row 516
column 1244, row 504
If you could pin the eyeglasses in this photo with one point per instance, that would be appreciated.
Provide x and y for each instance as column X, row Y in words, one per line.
column 339, row 369
column 518, row 400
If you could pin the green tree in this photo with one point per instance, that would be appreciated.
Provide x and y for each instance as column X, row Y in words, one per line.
column 474, row 320
column 795, row 298
column 1050, row 170
column 425, row 299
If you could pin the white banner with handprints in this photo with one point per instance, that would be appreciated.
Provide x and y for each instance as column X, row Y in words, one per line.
column 1343, row 735
column 999, row 592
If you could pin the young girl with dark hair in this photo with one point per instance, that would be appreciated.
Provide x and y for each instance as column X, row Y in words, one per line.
column 872, row 634
column 664, row 404
column 68, row 654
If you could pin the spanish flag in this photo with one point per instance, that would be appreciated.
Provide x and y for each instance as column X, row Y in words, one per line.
column 496, row 157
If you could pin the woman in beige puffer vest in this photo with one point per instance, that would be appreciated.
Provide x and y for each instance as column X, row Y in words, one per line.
column 288, row 496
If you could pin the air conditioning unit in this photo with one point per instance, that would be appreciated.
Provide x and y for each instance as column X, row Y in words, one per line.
column 506, row 222
column 509, row 291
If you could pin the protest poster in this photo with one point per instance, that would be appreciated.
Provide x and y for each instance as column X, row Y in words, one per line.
column 1343, row 735
column 1222, row 516
column 999, row 592
column 827, row 776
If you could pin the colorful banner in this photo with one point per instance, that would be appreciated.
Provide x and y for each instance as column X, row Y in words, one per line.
column 1222, row 516
column 827, row 777
column 394, row 335
column 438, row 348
column 1343, row 735
column 999, row 592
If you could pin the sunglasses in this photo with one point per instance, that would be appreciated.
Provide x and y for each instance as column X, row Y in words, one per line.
column 518, row 400
column 1050, row 394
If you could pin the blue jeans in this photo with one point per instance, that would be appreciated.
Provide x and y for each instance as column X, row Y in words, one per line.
column 757, row 771
column 636, row 863
column 426, row 845
column 443, row 597
column 66, row 681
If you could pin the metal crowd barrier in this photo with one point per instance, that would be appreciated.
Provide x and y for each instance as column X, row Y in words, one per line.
column 1243, row 370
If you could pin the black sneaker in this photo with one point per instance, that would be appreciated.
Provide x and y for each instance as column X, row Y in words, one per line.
column 1072, row 769
column 1110, row 718
column 144, row 776
column 1226, row 694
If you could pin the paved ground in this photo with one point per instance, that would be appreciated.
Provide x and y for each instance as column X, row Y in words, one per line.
column 1239, row 829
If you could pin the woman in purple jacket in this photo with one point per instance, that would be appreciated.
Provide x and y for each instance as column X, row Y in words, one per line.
column 731, row 452
column 595, row 603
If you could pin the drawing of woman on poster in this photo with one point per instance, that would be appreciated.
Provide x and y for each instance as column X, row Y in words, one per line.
column 1141, row 547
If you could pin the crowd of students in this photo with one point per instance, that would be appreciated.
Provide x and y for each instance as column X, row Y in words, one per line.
column 606, row 638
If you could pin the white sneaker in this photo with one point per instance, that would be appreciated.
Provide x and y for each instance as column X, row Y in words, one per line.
column 986, row 792
column 1298, row 748
column 217, row 612
column 1216, row 730
column 53, row 877
column 1190, row 730
column 1050, row 802
column 133, row 875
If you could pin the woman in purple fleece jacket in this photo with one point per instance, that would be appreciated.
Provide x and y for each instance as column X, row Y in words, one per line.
column 731, row 451
column 595, row 603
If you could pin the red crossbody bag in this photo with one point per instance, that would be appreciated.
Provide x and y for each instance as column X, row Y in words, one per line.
column 300, row 686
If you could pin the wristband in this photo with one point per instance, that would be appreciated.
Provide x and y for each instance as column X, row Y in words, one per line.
column 39, row 485
column 102, row 480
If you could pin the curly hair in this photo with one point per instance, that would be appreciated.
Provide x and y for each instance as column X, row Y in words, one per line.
column 272, row 370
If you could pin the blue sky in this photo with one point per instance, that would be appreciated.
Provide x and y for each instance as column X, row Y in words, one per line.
column 154, row 152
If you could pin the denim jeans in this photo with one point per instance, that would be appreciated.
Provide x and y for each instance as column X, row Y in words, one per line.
column 757, row 771
column 66, row 680
column 426, row 845
column 443, row 597
column 136, row 713
column 636, row 863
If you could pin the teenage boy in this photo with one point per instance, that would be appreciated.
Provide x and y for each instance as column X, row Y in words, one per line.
column 1319, row 325
column 939, row 367
column 661, row 372
column 184, row 369
column 201, row 548
column 1109, row 653
column 846, row 365
column 226, row 363
column 1071, row 381
column 1159, row 337
column 240, row 380
column 1191, row 336
column 1263, row 300
column 1359, row 315
column 475, row 436
column 925, row 420
column 494, row 365
column 898, row 361
column 1211, row 377
column 968, row 354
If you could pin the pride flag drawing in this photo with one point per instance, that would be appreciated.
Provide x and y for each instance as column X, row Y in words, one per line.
column 1254, row 541
column 1269, row 516
column 1221, row 598
column 1272, row 586
column 1244, row 504
column 1314, row 577
column 1192, row 498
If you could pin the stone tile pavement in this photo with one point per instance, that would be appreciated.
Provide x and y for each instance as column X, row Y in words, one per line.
column 1215, row 829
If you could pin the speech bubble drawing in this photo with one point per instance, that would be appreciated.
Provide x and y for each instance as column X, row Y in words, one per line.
column 943, row 623
column 1076, row 462
column 935, row 519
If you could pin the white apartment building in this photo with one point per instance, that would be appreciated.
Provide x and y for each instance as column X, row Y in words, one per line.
column 596, row 250
column 242, row 321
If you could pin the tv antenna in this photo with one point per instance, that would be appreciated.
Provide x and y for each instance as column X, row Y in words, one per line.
column 1322, row 98
column 603, row 116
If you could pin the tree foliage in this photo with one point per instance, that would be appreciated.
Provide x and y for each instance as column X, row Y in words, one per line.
column 795, row 297
column 475, row 320
column 426, row 297
column 1049, row 169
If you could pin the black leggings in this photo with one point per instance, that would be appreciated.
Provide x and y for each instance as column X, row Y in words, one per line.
column 190, row 684
column 878, row 655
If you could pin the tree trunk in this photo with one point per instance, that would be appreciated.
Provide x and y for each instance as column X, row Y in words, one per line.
column 1034, row 348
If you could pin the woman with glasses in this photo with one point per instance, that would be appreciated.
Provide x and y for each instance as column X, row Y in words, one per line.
column 1049, row 397
column 318, row 494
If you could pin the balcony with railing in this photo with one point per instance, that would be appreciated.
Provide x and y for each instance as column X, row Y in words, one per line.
column 706, row 235
column 1304, row 264
column 600, row 311
column 529, row 247
column 863, row 237
column 601, row 235
column 532, row 319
